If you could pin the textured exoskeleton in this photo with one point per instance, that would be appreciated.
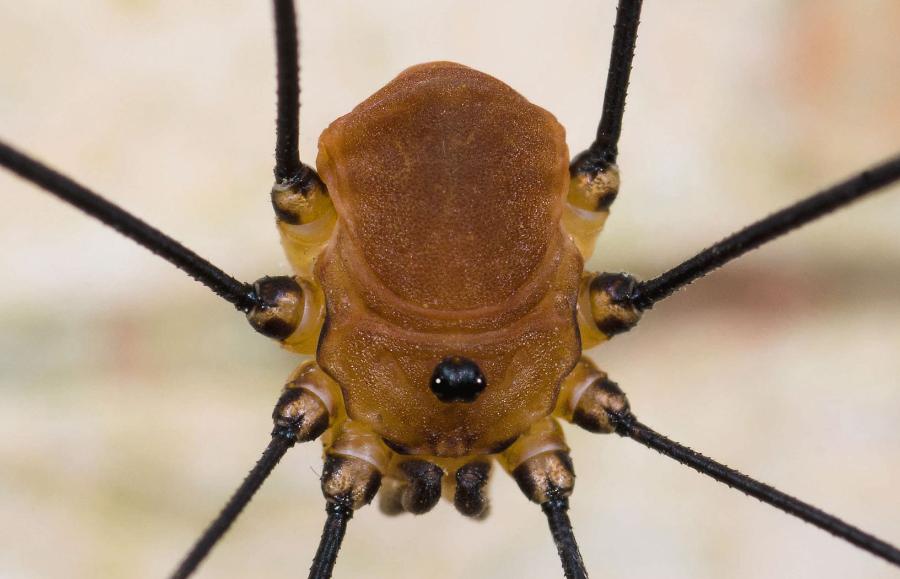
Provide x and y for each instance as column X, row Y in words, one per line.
column 449, row 187
column 439, row 273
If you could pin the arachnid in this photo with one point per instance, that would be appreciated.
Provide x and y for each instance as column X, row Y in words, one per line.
column 201, row 408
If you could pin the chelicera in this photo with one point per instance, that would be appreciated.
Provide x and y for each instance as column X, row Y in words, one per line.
column 443, row 340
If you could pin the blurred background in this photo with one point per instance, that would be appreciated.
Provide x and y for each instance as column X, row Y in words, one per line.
column 132, row 402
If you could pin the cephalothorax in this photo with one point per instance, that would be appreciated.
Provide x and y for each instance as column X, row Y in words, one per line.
column 438, row 281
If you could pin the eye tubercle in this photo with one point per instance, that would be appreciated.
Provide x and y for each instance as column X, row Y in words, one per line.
column 457, row 379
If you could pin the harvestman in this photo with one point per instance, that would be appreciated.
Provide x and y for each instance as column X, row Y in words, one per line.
column 431, row 363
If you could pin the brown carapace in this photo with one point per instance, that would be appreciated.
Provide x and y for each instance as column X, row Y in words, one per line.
column 439, row 283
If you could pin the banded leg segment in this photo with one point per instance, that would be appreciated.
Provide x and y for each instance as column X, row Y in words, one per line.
column 293, row 310
column 290, row 310
column 355, row 461
column 310, row 403
column 539, row 462
column 305, row 219
column 589, row 399
column 602, row 311
column 587, row 206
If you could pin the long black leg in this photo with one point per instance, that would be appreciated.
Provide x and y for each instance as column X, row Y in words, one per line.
column 339, row 514
column 603, row 151
column 289, row 171
column 556, row 510
column 238, row 293
column 299, row 416
column 628, row 426
column 765, row 230
column 278, row 446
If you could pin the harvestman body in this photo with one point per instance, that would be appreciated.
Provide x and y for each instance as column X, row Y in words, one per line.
column 438, row 280
column 451, row 293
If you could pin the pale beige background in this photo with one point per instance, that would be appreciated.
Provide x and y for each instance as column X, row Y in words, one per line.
column 132, row 402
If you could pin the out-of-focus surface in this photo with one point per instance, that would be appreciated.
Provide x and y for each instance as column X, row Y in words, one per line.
column 132, row 402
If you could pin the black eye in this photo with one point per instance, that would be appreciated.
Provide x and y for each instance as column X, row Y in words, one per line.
column 457, row 379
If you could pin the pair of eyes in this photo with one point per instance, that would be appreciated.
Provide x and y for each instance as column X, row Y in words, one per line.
column 457, row 379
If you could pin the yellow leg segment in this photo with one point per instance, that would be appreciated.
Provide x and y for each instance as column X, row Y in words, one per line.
column 601, row 311
column 292, row 312
column 309, row 404
column 600, row 314
column 587, row 207
column 355, row 461
column 588, row 396
column 306, row 219
column 539, row 461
